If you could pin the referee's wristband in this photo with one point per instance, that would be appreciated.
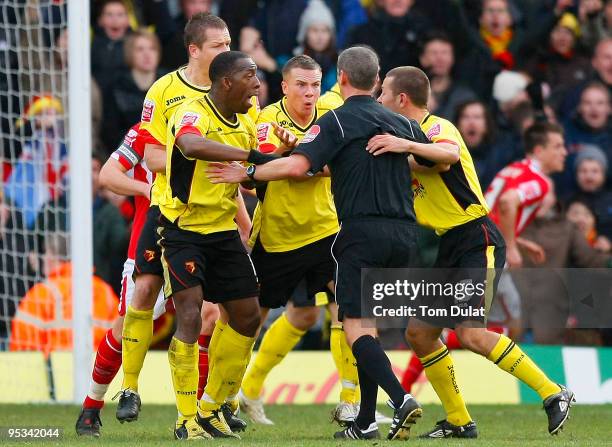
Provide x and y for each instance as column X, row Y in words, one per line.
column 257, row 158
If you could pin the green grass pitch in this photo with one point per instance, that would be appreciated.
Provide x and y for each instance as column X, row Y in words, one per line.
column 308, row 425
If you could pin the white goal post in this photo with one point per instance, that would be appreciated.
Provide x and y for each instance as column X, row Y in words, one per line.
column 81, row 247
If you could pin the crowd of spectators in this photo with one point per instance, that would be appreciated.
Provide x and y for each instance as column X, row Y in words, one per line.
column 495, row 66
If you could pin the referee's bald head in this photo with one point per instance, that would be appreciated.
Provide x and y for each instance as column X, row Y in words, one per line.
column 360, row 64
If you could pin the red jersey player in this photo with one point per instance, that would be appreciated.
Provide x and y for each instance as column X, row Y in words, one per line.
column 125, row 173
column 517, row 191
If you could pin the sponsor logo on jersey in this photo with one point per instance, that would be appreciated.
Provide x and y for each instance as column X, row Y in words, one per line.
column 190, row 266
column 312, row 134
column 435, row 130
column 262, row 132
column 147, row 111
column 173, row 100
column 189, row 119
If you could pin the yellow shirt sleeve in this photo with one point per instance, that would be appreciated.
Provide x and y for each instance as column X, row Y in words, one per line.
column 191, row 118
column 443, row 132
column 331, row 99
column 152, row 118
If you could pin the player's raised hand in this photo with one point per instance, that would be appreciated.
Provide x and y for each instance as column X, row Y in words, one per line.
column 379, row 144
column 287, row 138
column 232, row 172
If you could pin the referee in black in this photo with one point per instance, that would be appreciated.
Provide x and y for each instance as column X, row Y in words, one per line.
column 374, row 202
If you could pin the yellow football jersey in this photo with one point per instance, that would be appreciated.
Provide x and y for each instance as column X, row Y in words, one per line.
column 190, row 200
column 162, row 100
column 444, row 200
column 292, row 213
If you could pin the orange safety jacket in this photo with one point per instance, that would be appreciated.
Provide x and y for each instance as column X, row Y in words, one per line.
column 43, row 321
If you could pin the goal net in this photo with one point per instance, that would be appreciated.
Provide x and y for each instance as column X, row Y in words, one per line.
column 35, row 315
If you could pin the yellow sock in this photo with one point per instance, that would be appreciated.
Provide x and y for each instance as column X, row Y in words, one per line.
column 229, row 363
column 280, row 338
column 183, row 359
column 345, row 364
column 440, row 371
column 136, row 338
column 509, row 357
column 214, row 342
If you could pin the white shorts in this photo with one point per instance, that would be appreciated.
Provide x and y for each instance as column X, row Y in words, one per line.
column 127, row 292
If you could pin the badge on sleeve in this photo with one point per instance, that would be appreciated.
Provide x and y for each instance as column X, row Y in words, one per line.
column 311, row 134
column 189, row 119
column 263, row 130
column 147, row 111
column 435, row 130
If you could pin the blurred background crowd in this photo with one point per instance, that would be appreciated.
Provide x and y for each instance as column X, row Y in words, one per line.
column 495, row 66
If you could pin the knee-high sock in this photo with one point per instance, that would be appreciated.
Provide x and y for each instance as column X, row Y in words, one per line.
column 509, row 357
column 440, row 371
column 375, row 363
column 183, row 358
column 108, row 362
column 280, row 338
column 228, row 363
column 136, row 338
column 203, row 344
column 345, row 364
column 369, row 393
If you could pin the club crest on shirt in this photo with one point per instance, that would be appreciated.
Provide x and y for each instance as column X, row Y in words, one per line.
column 417, row 188
column 147, row 111
column 189, row 119
column 311, row 134
column 435, row 130
column 149, row 255
column 190, row 266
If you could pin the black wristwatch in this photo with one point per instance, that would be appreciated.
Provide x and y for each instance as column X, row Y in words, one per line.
column 250, row 172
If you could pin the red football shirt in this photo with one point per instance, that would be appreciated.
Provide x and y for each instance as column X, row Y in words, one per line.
column 131, row 155
column 531, row 184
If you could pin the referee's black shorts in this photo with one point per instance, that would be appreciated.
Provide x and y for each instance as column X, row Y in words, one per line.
column 218, row 262
column 474, row 252
column 148, row 253
column 373, row 242
column 311, row 267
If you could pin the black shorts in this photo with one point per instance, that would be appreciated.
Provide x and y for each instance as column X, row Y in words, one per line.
column 369, row 243
column 475, row 253
column 218, row 262
column 148, row 253
column 280, row 273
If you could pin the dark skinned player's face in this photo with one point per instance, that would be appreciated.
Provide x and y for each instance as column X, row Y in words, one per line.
column 244, row 85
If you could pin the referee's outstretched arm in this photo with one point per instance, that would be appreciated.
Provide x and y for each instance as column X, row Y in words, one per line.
column 294, row 166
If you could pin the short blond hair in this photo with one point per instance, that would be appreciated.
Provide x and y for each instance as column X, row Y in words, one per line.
column 130, row 44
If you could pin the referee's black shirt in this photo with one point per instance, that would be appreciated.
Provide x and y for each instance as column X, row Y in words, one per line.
column 363, row 185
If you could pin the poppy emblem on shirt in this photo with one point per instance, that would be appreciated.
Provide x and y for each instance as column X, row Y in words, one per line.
column 147, row 111
column 189, row 119
column 190, row 266
column 435, row 130
column 312, row 134
column 149, row 255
